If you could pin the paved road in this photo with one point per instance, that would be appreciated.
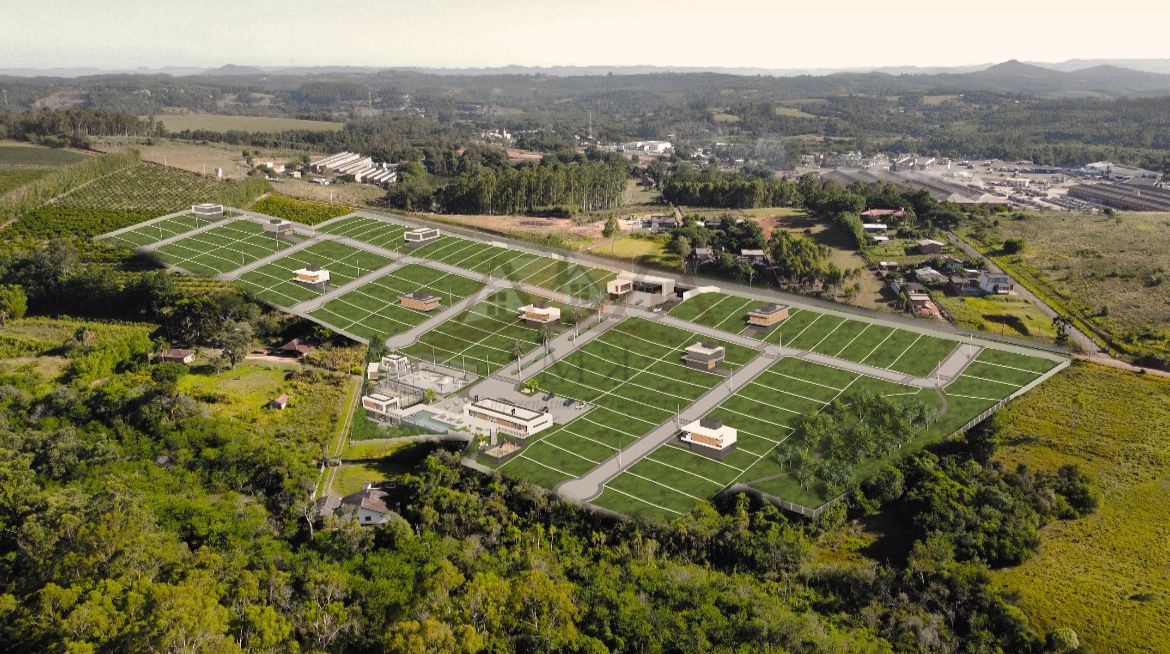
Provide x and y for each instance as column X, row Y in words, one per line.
column 413, row 334
column 320, row 300
column 242, row 270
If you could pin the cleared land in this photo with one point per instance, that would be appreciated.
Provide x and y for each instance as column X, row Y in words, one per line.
column 220, row 249
column 1109, row 273
column 374, row 311
column 1008, row 315
column 221, row 123
column 159, row 231
column 1104, row 575
column 634, row 378
column 274, row 281
column 545, row 272
column 484, row 338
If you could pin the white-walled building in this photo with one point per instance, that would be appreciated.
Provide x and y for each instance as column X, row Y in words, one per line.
column 312, row 274
column 508, row 418
column 379, row 407
column 710, row 437
column 208, row 211
column 416, row 238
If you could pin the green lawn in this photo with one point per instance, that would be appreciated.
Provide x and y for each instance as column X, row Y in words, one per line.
column 274, row 281
column 158, row 231
column 221, row 249
column 718, row 310
column 374, row 311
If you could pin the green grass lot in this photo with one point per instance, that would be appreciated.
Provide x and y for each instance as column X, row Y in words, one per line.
column 482, row 338
column 147, row 189
column 158, row 231
column 545, row 272
column 219, row 123
column 854, row 340
column 374, row 312
column 633, row 378
column 1104, row 575
column 218, row 250
column 647, row 251
column 15, row 154
column 274, row 281
column 305, row 212
column 1007, row 315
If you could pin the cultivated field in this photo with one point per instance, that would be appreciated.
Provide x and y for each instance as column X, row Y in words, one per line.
column 150, row 190
column 484, row 338
column 545, row 272
column 1111, row 273
column 300, row 211
column 274, row 281
column 203, row 157
column 22, row 163
column 221, row 123
column 220, row 249
column 374, row 311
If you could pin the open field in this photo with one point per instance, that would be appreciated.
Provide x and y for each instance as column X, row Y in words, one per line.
column 221, row 123
column 374, row 312
column 221, row 249
column 349, row 194
column 19, row 154
column 552, row 274
column 998, row 314
column 806, row 329
column 158, row 231
column 645, row 251
column 274, row 281
column 1110, row 273
column 1104, row 575
column 151, row 190
column 484, row 338
column 634, row 378
column 198, row 157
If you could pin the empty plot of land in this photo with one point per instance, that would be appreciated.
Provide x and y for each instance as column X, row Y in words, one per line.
column 275, row 281
column 718, row 310
column 484, row 338
column 221, row 249
column 374, row 311
column 159, row 231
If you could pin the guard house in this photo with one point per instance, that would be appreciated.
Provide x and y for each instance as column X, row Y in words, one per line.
column 638, row 289
column 508, row 418
column 420, row 301
column 710, row 437
column 312, row 275
column 704, row 356
column 378, row 406
column 416, row 238
column 767, row 315
column 277, row 228
column 540, row 313
column 394, row 366
column 207, row 211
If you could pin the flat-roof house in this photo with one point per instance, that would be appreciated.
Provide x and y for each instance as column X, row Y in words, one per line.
column 394, row 365
column 641, row 289
column 419, row 301
column 507, row 417
column 368, row 506
column 372, row 370
column 930, row 246
column 874, row 227
column 280, row 402
column 176, row 355
column 311, row 274
column 416, row 238
column 709, row 437
column 704, row 356
column 767, row 315
column 379, row 406
column 207, row 210
column 278, row 228
column 540, row 313
column 295, row 348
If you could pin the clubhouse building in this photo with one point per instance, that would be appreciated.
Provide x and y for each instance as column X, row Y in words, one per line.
column 709, row 437
column 540, row 313
column 507, row 418
column 636, row 289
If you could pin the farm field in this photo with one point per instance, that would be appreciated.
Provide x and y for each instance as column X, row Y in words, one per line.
column 274, row 281
column 15, row 154
column 198, row 157
column 484, row 338
column 299, row 211
column 633, row 378
column 1108, row 273
column 223, row 123
column 220, row 249
column 1104, row 574
column 552, row 274
column 875, row 345
column 159, row 231
column 374, row 312
column 152, row 190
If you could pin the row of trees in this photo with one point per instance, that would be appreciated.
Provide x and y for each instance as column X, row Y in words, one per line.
column 73, row 126
column 727, row 190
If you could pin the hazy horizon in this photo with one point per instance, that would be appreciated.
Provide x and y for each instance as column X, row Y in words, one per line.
column 128, row 34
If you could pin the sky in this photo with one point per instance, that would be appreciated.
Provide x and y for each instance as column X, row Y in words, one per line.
column 117, row 34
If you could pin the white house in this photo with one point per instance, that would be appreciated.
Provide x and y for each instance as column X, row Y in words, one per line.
column 311, row 274
column 710, row 437
column 507, row 417
column 540, row 313
column 208, row 211
column 416, row 238
column 368, row 506
column 378, row 406
column 995, row 283
column 874, row 227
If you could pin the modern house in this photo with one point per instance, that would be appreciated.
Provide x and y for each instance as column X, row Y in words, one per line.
column 416, row 238
column 930, row 246
column 372, row 370
column 311, row 275
column 419, row 301
column 710, row 438
column 378, row 406
column 207, row 211
column 176, row 355
column 278, row 228
column 508, row 418
column 368, row 505
column 540, row 313
column 704, row 356
column 394, row 365
column 640, row 289
column 767, row 315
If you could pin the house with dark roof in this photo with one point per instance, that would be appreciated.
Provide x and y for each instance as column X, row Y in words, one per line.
column 176, row 355
column 704, row 356
column 294, row 348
